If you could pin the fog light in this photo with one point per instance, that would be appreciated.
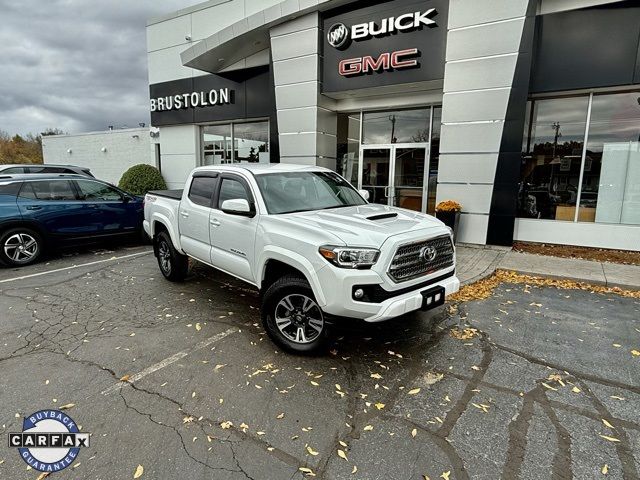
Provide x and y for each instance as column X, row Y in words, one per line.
column 359, row 293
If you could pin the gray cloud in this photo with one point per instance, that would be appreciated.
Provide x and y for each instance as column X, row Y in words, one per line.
column 75, row 65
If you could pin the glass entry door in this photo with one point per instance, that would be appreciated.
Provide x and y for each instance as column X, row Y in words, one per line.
column 395, row 174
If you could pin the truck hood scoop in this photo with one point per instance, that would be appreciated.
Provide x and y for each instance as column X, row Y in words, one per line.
column 382, row 216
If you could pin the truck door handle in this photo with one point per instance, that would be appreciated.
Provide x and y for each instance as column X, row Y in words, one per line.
column 34, row 207
column 184, row 214
column 214, row 222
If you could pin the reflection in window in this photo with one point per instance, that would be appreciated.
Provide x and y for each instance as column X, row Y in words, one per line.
column 251, row 142
column 217, row 144
column 611, row 179
column 402, row 126
column 434, row 160
column 552, row 157
column 555, row 159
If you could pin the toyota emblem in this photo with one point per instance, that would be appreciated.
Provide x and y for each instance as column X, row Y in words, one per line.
column 338, row 35
column 428, row 254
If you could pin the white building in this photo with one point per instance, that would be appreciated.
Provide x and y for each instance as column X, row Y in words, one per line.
column 527, row 112
column 108, row 154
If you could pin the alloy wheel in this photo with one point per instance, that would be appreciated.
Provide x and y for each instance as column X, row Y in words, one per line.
column 20, row 247
column 299, row 318
column 164, row 256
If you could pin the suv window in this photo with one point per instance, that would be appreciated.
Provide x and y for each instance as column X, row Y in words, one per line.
column 13, row 170
column 201, row 191
column 232, row 190
column 48, row 190
column 11, row 189
column 96, row 191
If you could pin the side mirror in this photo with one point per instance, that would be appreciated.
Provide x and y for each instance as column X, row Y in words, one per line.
column 365, row 194
column 126, row 199
column 237, row 206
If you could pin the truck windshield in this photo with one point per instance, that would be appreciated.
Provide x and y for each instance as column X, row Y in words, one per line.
column 306, row 191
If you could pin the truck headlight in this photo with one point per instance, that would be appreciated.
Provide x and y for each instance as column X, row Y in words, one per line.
column 350, row 257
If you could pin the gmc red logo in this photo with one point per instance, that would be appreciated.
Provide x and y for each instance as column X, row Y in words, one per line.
column 386, row 61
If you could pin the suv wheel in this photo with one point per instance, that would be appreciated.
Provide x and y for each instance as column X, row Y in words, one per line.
column 291, row 316
column 173, row 265
column 20, row 246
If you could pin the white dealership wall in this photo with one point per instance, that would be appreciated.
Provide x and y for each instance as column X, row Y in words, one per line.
column 483, row 45
column 108, row 154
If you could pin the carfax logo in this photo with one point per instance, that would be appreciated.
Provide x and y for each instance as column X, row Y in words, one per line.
column 50, row 440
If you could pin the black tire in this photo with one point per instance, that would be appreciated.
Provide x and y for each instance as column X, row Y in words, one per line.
column 292, row 290
column 20, row 246
column 173, row 265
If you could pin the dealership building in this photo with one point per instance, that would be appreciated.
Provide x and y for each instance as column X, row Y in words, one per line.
column 527, row 112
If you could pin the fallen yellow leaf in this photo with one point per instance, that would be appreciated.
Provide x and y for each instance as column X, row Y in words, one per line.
column 549, row 387
column 281, row 416
column 67, row 406
column 635, row 353
column 226, row 425
column 605, row 469
column 414, row 432
column 343, row 455
column 368, row 428
column 446, row 474
column 355, row 469
column 315, row 384
column 379, row 406
column 415, row 391
column 198, row 327
column 307, row 471
column 139, row 471
column 611, row 439
column 43, row 475
column 607, row 423
column 377, row 376
column 312, row 451
column 576, row 390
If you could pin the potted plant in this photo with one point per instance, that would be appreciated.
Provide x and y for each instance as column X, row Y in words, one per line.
column 448, row 212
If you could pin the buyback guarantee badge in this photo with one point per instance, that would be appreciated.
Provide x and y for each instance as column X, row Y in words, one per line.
column 50, row 440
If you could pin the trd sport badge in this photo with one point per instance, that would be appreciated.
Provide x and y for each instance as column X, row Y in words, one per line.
column 50, row 440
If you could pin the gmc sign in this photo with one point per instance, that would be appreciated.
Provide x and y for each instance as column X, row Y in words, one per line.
column 386, row 61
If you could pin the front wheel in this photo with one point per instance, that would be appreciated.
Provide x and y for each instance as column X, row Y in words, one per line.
column 20, row 246
column 173, row 265
column 292, row 317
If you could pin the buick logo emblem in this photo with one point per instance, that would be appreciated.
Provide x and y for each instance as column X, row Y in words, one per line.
column 428, row 254
column 338, row 35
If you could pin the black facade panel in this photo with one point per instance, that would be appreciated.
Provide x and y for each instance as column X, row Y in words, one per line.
column 504, row 199
column 251, row 91
column 588, row 48
column 429, row 40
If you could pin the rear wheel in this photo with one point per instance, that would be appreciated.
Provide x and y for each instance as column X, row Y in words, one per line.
column 292, row 317
column 20, row 246
column 173, row 265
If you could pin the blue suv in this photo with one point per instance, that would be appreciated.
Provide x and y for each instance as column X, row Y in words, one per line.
column 42, row 211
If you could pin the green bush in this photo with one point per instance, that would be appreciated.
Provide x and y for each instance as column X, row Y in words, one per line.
column 139, row 179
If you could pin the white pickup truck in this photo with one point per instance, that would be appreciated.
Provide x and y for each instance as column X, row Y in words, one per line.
column 309, row 241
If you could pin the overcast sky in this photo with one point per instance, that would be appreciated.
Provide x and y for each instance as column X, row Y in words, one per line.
column 75, row 65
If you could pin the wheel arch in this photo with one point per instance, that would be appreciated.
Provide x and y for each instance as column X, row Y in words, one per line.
column 276, row 262
column 8, row 225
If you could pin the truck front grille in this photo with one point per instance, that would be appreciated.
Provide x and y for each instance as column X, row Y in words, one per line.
column 416, row 259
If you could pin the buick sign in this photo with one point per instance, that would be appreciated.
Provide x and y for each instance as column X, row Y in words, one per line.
column 339, row 34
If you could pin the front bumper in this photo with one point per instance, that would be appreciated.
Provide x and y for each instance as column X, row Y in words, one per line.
column 338, row 285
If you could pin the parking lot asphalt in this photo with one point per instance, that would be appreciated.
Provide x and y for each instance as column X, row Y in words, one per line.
column 532, row 383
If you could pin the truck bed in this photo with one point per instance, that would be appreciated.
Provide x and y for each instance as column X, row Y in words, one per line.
column 172, row 194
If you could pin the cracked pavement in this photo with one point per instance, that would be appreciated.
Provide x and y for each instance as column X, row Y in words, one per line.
column 532, row 383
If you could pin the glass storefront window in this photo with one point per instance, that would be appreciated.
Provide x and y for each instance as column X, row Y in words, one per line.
column 550, row 171
column 402, row 126
column 348, row 148
column 434, row 160
column 216, row 141
column 611, row 179
column 235, row 143
column 564, row 179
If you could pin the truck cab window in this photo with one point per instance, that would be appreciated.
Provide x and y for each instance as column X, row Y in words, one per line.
column 232, row 190
column 202, row 189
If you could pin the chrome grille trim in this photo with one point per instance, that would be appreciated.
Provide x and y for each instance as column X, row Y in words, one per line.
column 408, row 265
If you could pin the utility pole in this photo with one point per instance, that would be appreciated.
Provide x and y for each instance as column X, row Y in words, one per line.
column 556, row 127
